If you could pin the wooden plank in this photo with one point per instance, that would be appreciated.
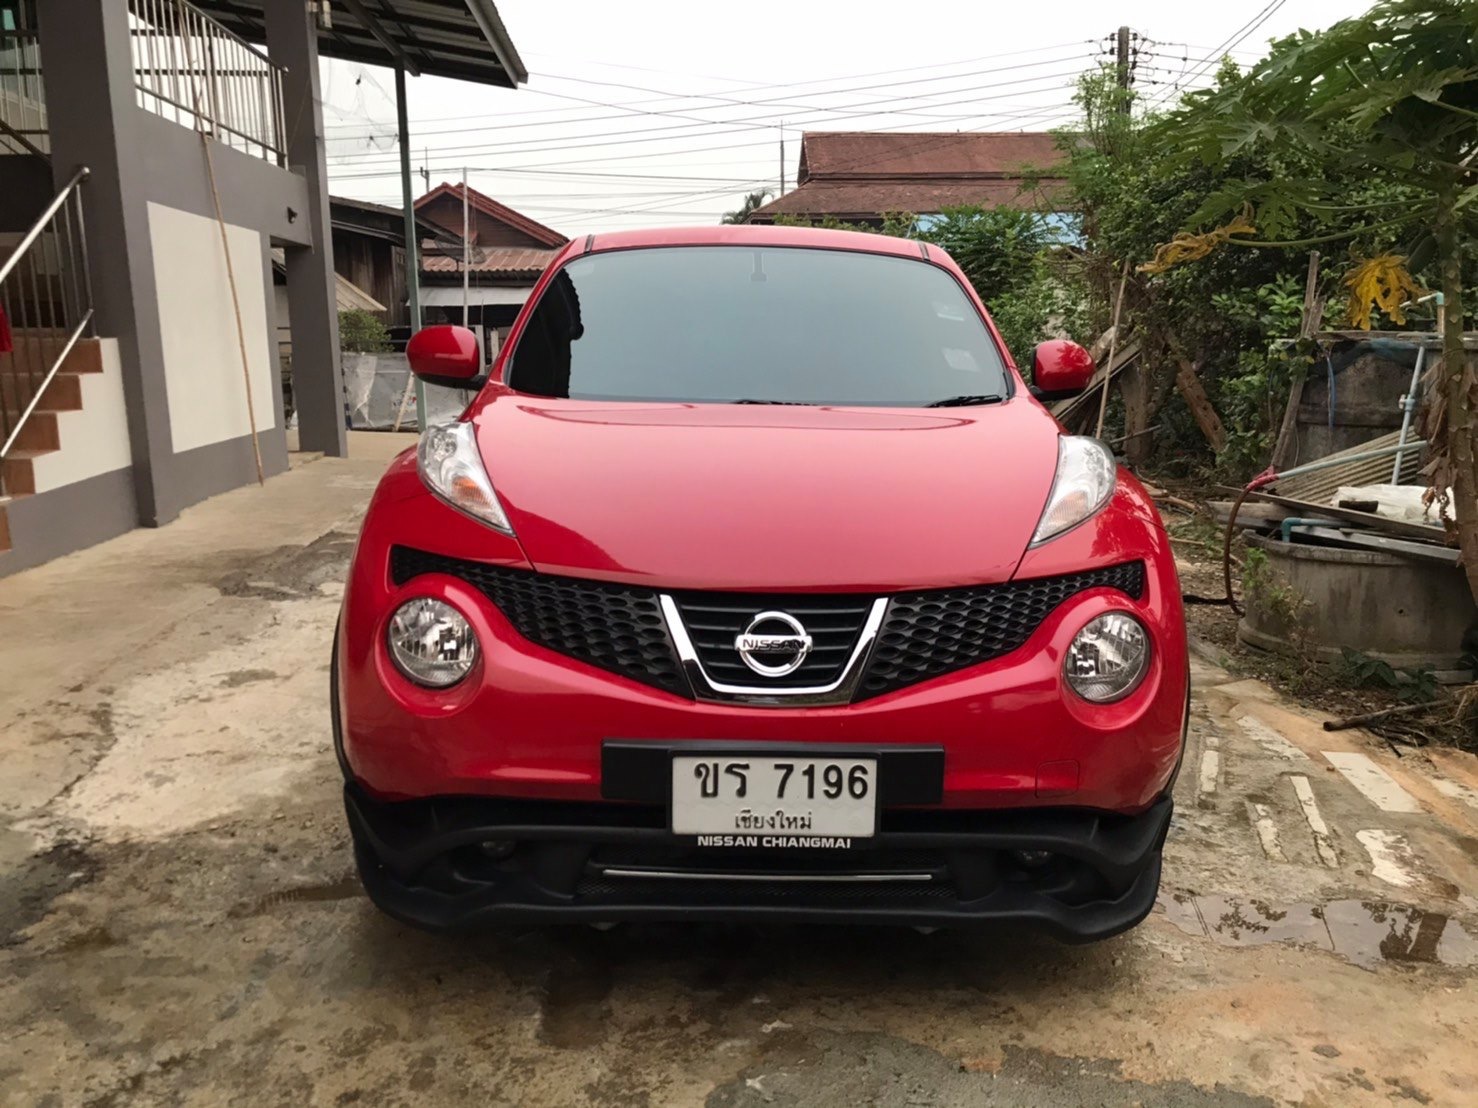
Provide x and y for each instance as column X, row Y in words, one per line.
column 1425, row 551
column 1199, row 403
column 1367, row 520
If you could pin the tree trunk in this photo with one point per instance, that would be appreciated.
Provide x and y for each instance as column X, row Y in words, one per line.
column 1460, row 386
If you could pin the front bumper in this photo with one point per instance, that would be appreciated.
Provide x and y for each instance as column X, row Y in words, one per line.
column 423, row 862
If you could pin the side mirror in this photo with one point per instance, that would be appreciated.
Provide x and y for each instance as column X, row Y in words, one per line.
column 1060, row 370
column 447, row 356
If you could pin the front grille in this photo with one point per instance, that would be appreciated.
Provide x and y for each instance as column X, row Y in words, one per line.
column 620, row 627
column 714, row 620
column 616, row 627
column 926, row 634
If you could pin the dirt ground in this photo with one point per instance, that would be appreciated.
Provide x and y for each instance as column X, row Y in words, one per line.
column 180, row 925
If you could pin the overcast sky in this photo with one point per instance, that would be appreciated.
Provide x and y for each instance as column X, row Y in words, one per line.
column 662, row 112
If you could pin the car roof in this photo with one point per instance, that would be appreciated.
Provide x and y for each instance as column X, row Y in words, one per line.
column 758, row 235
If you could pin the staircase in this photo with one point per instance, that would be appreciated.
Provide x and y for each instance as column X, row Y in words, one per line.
column 46, row 349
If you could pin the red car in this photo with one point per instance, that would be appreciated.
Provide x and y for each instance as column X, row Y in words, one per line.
column 756, row 584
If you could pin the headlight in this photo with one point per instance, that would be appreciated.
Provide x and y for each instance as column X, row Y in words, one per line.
column 431, row 642
column 451, row 467
column 1086, row 476
column 1108, row 658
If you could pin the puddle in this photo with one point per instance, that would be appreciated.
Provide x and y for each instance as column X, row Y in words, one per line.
column 1365, row 932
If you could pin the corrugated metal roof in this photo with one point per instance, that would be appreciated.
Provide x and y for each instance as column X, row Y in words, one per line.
column 347, row 294
column 1321, row 484
column 464, row 39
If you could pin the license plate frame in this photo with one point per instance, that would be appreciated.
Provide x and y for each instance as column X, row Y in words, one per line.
column 838, row 824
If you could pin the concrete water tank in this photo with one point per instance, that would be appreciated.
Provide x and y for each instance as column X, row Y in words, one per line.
column 1411, row 614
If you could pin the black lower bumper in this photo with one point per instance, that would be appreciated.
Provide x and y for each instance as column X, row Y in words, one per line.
column 458, row 863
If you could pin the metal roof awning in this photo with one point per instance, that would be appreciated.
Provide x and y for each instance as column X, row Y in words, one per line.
column 435, row 297
column 462, row 39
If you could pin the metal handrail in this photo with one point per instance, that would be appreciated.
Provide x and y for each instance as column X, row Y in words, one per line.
column 41, row 221
column 51, row 296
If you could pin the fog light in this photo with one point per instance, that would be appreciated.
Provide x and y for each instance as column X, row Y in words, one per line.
column 1033, row 859
column 497, row 849
column 432, row 643
column 1108, row 658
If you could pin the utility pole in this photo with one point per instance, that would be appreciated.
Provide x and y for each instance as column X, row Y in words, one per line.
column 782, row 158
column 466, row 254
column 412, row 235
column 1125, row 72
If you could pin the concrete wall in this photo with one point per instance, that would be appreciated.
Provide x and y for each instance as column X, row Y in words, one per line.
column 94, row 439
column 197, row 322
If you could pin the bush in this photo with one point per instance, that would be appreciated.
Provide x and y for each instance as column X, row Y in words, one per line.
column 362, row 333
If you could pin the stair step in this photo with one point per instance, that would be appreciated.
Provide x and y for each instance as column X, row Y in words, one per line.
column 19, row 473
column 39, row 432
column 64, row 394
column 28, row 358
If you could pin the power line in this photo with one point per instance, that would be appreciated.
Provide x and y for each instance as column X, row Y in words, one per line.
column 761, row 122
column 1231, row 42
column 551, row 145
column 791, row 85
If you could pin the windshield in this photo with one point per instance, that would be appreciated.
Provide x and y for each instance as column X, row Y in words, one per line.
column 781, row 325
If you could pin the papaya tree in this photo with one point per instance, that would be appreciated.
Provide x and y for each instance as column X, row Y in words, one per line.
column 1390, row 96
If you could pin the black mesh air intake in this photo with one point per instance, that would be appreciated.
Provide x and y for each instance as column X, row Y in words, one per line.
column 616, row 627
column 926, row 634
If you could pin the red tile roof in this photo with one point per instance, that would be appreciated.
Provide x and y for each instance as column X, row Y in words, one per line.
column 854, row 154
column 863, row 174
column 500, row 261
column 488, row 206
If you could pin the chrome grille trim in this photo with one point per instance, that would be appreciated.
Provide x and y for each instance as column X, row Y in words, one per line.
column 705, row 687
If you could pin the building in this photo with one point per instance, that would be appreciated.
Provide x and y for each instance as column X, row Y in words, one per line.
column 506, row 252
column 156, row 158
column 861, row 176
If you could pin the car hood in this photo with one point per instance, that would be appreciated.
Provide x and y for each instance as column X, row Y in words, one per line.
column 757, row 497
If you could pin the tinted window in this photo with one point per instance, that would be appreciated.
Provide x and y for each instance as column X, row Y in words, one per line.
column 729, row 323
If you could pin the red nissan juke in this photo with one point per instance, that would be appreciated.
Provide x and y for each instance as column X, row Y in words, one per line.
column 755, row 584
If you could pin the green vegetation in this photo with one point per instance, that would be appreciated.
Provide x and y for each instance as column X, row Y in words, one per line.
column 362, row 333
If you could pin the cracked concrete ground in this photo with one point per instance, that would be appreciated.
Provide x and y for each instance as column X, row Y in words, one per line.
column 180, row 925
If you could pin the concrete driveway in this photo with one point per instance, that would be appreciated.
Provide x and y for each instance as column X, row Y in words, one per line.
column 179, row 921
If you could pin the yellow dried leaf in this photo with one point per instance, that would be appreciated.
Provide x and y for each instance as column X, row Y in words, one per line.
column 1186, row 247
column 1380, row 282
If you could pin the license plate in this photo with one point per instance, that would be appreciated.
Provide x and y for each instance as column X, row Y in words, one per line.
column 768, row 796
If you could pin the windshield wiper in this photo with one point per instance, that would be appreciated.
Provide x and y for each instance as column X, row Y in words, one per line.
column 801, row 403
column 966, row 401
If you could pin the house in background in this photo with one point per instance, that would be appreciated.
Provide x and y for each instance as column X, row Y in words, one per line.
column 369, row 253
column 861, row 176
column 153, row 156
column 507, row 252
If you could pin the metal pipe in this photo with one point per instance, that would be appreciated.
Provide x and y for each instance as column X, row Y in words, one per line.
column 1294, row 521
column 1408, row 405
column 1340, row 459
column 412, row 237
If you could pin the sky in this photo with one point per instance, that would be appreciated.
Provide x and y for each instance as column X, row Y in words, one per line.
column 666, row 112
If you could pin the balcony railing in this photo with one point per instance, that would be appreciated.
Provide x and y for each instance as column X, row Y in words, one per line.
column 190, row 69
column 22, row 98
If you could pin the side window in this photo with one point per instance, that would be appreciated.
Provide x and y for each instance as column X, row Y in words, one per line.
column 541, row 364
